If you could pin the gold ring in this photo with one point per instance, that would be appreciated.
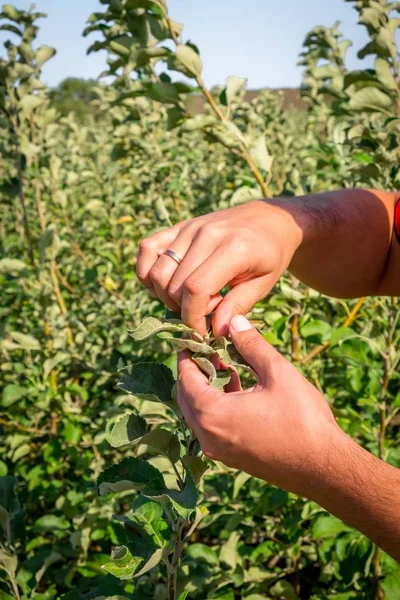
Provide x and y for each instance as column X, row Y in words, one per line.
column 174, row 256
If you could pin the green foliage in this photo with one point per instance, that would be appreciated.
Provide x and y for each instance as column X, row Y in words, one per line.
column 74, row 95
column 100, row 481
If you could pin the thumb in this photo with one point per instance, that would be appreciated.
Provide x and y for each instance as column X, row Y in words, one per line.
column 240, row 300
column 255, row 350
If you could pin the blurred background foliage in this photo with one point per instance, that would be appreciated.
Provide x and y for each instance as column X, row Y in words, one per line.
column 89, row 169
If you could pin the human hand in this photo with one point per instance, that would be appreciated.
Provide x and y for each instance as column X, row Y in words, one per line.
column 281, row 430
column 247, row 247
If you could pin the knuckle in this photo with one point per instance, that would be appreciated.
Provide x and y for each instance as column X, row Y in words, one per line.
column 156, row 274
column 193, row 286
column 209, row 232
column 175, row 293
column 239, row 245
column 146, row 245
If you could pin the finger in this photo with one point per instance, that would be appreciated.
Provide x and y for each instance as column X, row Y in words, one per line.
column 165, row 267
column 260, row 355
column 193, row 384
column 150, row 249
column 234, row 384
column 203, row 245
column 205, row 283
column 187, row 412
column 240, row 300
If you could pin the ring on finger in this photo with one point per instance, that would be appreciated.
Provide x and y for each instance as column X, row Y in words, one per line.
column 174, row 256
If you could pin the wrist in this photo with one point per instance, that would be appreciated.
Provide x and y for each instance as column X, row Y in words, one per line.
column 288, row 227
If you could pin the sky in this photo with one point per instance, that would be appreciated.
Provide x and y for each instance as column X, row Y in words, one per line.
column 257, row 39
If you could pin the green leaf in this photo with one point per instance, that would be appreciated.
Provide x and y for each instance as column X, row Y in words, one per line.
column 391, row 586
column 384, row 74
column 163, row 92
column 43, row 54
column 175, row 117
column 240, row 479
column 122, row 564
column 197, row 466
column 233, row 86
column 25, row 341
column 129, row 474
column 153, row 561
column 126, row 430
column 122, row 45
column 205, row 365
column 12, row 266
column 10, row 510
column 29, row 103
column 328, row 526
column 341, row 334
column 244, row 194
column 201, row 552
column 371, row 99
column 12, row 393
column 148, row 380
column 8, row 562
column 259, row 153
column 315, row 327
column 11, row 12
column 150, row 516
column 198, row 122
column 190, row 59
column 181, row 344
column 184, row 501
column 51, row 522
column 165, row 442
column 51, row 363
column 283, row 589
column 223, row 378
column 229, row 554
column 152, row 326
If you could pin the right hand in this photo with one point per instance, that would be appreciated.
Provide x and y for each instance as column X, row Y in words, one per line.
column 247, row 247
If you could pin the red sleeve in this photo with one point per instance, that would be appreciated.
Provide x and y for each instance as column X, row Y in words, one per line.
column 397, row 220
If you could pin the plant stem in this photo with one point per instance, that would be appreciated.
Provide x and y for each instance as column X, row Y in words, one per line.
column 352, row 316
column 173, row 569
column 244, row 153
column 378, row 593
column 14, row 586
column 37, row 432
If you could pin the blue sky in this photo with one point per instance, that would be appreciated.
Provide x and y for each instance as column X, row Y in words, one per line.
column 257, row 39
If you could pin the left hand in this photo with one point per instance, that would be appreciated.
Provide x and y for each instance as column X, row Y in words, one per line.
column 281, row 430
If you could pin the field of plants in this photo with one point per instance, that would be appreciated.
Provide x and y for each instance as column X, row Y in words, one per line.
column 104, row 492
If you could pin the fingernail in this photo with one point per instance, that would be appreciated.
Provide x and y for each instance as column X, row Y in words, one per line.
column 240, row 323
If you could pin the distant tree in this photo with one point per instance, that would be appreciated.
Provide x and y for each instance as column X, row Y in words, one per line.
column 75, row 95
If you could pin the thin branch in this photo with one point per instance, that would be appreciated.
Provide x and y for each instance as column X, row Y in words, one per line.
column 37, row 432
column 322, row 347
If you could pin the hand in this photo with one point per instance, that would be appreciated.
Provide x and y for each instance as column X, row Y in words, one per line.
column 282, row 430
column 247, row 247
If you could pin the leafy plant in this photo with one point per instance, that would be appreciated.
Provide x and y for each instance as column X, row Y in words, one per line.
column 76, row 197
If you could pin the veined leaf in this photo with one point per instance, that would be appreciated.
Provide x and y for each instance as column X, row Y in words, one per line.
column 127, row 430
column 370, row 99
column 122, row 564
column 148, row 380
column 190, row 59
column 152, row 326
column 184, row 501
column 130, row 474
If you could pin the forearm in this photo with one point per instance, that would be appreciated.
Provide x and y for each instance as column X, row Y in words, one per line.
column 362, row 491
column 347, row 242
